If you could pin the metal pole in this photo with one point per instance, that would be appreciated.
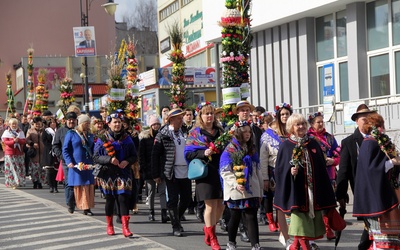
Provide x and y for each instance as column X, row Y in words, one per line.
column 85, row 23
column 217, row 72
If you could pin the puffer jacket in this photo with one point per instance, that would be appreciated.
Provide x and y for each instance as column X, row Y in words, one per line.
column 145, row 148
column 163, row 154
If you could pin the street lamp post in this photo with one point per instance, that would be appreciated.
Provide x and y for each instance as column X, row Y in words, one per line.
column 110, row 8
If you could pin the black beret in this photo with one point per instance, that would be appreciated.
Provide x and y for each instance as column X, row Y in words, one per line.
column 71, row 115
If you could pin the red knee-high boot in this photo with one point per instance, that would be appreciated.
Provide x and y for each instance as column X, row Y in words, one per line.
column 125, row 226
column 305, row 244
column 213, row 238
column 295, row 245
column 206, row 236
column 329, row 234
column 272, row 225
column 110, row 225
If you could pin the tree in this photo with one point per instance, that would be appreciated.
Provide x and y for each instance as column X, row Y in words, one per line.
column 144, row 17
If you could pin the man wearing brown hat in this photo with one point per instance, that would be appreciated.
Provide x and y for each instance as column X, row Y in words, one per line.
column 70, row 123
column 348, row 163
column 168, row 161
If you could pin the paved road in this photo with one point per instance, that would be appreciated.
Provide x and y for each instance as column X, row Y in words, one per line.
column 35, row 219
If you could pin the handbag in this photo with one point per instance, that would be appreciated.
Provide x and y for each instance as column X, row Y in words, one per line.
column 197, row 169
column 31, row 152
column 336, row 222
column 99, row 171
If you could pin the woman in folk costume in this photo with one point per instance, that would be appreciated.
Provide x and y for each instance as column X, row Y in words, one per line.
column 77, row 152
column 208, row 189
column 331, row 150
column 302, row 184
column 375, row 183
column 242, row 183
column 116, row 152
column 14, row 158
column 271, row 139
column 34, row 140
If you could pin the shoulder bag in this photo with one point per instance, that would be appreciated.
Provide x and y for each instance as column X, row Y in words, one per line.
column 197, row 169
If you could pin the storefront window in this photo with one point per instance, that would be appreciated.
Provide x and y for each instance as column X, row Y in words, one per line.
column 379, row 75
column 341, row 33
column 396, row 21
column 324, row 33
column 344, row 81
column 377, row 24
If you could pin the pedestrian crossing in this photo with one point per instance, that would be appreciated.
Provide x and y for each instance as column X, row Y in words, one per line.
column 30, row 222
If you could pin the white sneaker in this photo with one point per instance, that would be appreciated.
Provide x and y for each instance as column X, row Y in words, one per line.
column 230, row 246
column 282, row 240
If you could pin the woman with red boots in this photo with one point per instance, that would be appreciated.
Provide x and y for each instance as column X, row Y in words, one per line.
column 115, row 152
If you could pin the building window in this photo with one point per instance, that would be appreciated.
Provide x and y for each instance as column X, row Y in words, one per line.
column 331, row 46
column 325, row 33
column 186, row 2
column 396, row 21
column 379, row 75
column 377, row 24
column 169, row 10
column 344, row 81
column 397, row 61
column 341, row 33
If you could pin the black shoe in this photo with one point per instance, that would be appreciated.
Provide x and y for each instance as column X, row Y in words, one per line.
column 183, row 218
column 71, row 210
column 151, row 217
column 56, row 190
column 191, row 211
column 51, row 190
column 164, row 216
column 118, row 220
column 88, row 212
column 200, row 216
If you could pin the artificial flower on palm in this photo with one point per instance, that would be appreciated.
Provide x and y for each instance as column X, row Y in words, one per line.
column 66, row 94
column 105, row 137
column 228, row 117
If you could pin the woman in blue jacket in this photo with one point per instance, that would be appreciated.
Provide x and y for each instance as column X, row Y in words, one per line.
column 78, row 153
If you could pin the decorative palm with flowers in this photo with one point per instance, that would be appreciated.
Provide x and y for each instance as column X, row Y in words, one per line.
column 236, row 40
column 132, row 95
column 178, row 92
column 389, row 148
column 66, row 94
column 31, row 86
column 115, row 84
column 41, row 95
column 105, row 137
column 10, row 94
column 227, row 116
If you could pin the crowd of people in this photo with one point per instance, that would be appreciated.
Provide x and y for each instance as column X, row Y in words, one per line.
column 279, row 161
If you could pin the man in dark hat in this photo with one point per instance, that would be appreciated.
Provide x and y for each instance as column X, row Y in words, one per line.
column 70, row 123
column 348, row 164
